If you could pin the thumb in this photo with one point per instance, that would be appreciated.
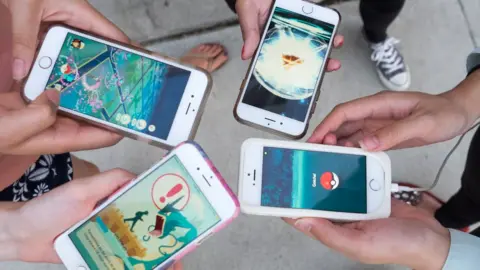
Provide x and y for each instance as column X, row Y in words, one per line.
column 105, row 184
column 250, row 25
column 29, row 121
column 393, row 135
column 25, row 27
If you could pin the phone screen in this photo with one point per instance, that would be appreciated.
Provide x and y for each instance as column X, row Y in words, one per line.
column 117, row 86
column 149, row 223
column 314, row 180
column 289, row 64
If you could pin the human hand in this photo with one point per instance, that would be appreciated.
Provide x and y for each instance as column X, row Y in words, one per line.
column 389, row 120
column 410, row 237
column 33, row 227
column 35, row 128
column 29, row 15
column 253, row 14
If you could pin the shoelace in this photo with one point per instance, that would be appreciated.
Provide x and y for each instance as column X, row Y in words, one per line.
column 386, row 55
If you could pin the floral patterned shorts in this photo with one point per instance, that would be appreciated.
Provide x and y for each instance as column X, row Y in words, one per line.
column 47, row 173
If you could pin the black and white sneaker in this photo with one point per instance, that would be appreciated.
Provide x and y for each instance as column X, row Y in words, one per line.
column 391, row 67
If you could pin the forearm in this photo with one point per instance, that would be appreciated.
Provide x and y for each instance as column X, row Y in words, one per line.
column 8, row 248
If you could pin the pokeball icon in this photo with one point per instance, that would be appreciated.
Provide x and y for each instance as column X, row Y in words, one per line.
column 329, row 181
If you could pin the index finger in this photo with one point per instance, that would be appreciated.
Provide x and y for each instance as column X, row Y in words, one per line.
column 381, row 105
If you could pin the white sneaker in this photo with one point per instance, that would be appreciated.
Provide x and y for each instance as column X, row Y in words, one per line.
column 391, row 67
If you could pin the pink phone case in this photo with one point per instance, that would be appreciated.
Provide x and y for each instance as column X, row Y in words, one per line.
column 177, row 257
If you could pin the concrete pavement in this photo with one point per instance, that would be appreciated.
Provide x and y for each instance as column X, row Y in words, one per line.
column 436, row 38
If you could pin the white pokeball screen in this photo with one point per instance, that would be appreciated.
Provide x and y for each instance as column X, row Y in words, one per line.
column 314, row 180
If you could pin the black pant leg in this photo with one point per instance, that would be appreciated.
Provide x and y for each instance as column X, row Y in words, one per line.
column 377, row 16
column 463, row 209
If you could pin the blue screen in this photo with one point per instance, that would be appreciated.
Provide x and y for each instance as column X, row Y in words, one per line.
column 314, row 180
column 117, row 86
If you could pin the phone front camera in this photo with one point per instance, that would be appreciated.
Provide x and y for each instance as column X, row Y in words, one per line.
column 198, row 168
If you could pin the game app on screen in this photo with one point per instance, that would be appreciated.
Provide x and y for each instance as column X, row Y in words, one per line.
column 314, row 180
column 123, row 88
column 149, row 223
column 289, row 64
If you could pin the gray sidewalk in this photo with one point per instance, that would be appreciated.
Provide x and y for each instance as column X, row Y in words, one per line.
column 436, row 38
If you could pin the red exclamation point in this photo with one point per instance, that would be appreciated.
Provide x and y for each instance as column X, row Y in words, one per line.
column 173, row 191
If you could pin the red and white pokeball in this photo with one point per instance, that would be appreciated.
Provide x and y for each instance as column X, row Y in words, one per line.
column 329, row 181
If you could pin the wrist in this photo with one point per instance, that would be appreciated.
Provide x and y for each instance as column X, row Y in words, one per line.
column 432, row 252
column 467, row 96
column 8, row 243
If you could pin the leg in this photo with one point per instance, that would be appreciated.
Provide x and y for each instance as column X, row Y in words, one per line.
column 83, row 168
column 377, row 16
column 463, row 209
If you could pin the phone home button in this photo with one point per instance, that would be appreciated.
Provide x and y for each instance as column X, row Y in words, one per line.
column 374, row 185
column 307, row 10
column 45, row 62
column 81, row 268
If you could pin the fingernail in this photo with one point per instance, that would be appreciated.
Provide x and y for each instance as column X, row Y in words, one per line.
column 53, row 96
column 369, row 143
column 18, row 69
column 303, row 225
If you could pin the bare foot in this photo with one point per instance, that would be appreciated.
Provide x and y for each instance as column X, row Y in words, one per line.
column 207, row 56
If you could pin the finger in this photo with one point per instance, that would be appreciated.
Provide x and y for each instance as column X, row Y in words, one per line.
column 32, row 120
column 382, row 105
column 82, row 15
column 5, row 49
column 250, row 25
column 391, row 136
column 330, row 139
column 68, row 136
column 333, row 65
column 338, row 41
column 102, row 185
column 336, row 237
column 25, row 26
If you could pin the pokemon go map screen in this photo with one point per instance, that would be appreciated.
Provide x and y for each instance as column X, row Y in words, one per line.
column 149, row 223
column 314, row 180
column 289, row 64
column 122, row 88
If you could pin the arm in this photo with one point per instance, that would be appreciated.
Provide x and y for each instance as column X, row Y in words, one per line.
column 467, row 93
column 464, row 251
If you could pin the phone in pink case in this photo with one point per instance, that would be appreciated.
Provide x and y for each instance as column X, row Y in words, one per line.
column 156, row 219
column 191, row 248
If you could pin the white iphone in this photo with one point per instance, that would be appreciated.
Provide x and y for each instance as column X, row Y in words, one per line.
column 119, row 87
column 155, row 220
column 293, row 179
column 282, row 85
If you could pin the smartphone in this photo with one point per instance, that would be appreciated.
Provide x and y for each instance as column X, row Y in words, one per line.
column 156, row 219
column 142, row 96
column 282, row 85
column 293, row 179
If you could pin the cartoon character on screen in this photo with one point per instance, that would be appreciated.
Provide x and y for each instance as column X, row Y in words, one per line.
column 171, row 194
column 171, row 230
